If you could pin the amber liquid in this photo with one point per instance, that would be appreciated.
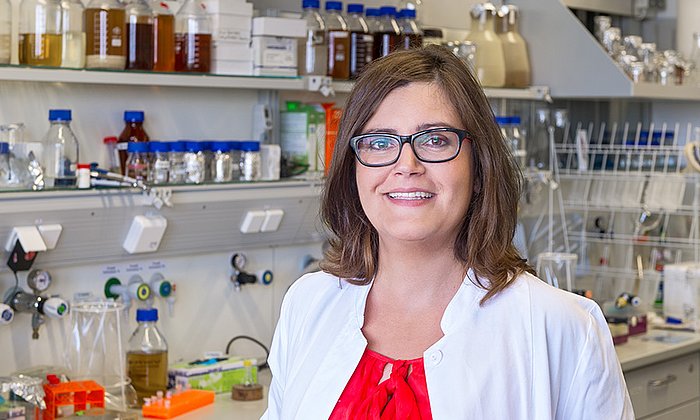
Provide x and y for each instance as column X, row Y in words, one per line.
column 105, row 44
column 139, row 44
column 339, row 54
column 361, row 50
column 385, row 43
column 148, row 372
column 46, row 51
column 164, row 47
column 193, row 52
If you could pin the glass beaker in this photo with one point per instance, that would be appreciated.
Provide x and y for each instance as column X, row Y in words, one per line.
column 557, row 269
column 97, row 349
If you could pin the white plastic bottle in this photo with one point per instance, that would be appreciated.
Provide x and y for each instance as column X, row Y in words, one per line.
column 60, row 150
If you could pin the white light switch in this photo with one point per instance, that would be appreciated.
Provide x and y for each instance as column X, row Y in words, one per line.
column 145, row 234
column 252, row 221
column 272, row 221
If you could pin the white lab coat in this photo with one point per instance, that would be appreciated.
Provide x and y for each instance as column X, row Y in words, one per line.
column 532, row 352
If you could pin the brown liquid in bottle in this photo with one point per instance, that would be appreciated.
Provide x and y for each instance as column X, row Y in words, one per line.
column 45, row 51
column 164, row 47
column 361, row 50
column 105, row 45
column 193, row 52
column 385, row 43
column 133, row 132
column 139, row 44
column 339, row 54
column 148, row 372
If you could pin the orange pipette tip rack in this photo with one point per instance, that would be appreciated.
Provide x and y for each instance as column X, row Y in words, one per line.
column 179, row 404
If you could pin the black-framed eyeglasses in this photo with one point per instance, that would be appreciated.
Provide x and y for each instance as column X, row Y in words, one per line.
column 434, row 145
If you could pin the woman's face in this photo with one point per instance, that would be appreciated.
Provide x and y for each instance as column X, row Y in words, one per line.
column 411, row 200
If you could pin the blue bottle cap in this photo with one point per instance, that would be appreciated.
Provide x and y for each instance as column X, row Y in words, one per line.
column 4, row 148
column 310, row 4
column 137, row 147
column 502, row 120
column 177, row 146
column 515, row 120
column 145, row 315
column 159, row 146
column 355, row 8
column 221, row 146
column 59, row 115
column 193, row 146
column 408, row 13
column 206, row 145
column 250, row 146
column 387, row 11
column 133, row 116
column 235, row 145
column 334, row 5
column 372, row 12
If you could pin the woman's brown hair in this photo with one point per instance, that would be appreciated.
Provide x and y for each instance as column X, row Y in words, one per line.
column 484, row 240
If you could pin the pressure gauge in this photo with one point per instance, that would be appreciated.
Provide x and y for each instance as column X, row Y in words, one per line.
column 238, row 261
column 39, row 280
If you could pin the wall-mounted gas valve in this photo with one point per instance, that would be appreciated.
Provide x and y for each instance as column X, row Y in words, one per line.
column 36, row 304
column 6, row 314
column 164, row 289
column 240, row 277
column 135, row 289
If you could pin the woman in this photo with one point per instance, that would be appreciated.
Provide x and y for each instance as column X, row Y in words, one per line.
column 424, row 308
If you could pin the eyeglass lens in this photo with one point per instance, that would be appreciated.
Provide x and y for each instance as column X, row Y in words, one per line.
column 434, row 146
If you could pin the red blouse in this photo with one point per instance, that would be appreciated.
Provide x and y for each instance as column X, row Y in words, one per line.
column 404, row 395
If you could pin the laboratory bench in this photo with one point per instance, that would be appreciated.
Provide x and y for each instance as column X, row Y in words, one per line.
column 662, row 370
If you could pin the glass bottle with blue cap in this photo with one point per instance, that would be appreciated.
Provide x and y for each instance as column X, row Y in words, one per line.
column 147, row 356
column 60, row 155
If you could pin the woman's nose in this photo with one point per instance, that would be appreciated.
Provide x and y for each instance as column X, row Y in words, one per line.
column 408, row 163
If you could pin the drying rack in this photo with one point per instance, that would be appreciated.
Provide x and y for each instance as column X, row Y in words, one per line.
column 626, row 192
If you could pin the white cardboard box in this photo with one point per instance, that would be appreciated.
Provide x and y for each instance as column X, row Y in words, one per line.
column 233, row 7
column 277, row 26
column 232, row 50
column 232, row 67
column 274, row 56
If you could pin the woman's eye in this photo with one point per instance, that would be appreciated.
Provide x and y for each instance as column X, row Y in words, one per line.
column 380, row 144
column 435, row 141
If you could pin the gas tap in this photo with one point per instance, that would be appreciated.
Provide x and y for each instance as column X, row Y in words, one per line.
column 36, row 304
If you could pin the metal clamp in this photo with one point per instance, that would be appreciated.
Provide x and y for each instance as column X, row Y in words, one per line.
column 656, row 383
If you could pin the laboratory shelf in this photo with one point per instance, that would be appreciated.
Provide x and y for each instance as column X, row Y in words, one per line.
column 114, row 77
column 533, row 93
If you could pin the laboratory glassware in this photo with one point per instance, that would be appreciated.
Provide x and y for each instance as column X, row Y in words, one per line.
column 411, row 33
column 490, row 62
column 40, row 33
column 73, row 51
column 160, row 162
column 105, row 45
column 5, row 31
column 558, row 269
column 61, row 150
column 338, row 41
column 312, row 50
column 147, row 356
column 361, row 40
column 137, row 164
column 164, row 36
column 387, row 38
column 139, row 35
column 133, row 132
column 192, row 38
column 514, row 48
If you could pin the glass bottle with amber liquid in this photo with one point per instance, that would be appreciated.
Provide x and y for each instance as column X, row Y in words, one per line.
column 5, row 31
column 40, row 35
column 361, row 40
column 388, row 36
column 338, row 41
column 164, row 36
column 105, row 45
column 312, row 50
column 139, row 35
column 192, row 38
column 147, row 357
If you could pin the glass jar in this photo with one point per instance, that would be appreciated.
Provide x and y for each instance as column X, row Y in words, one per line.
column 195, row 163
column 411, row 33
column 139, row 35
column 133, row 132
column 387, row 37
column 137, row 164
column 251, row 165
column 40, row 33
column 490, row 62
column 5, row 31
column 60, row 150
column 73, row 54
column 338, row 38
column 105, row 45
column 235, row 160
column 221, row 163
column 147, row 356
column 361, row 40
column 160, row 162
column 164, row 36
column 514, row 49
column 192, row 38
column 312, row 50
column 178, row 168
